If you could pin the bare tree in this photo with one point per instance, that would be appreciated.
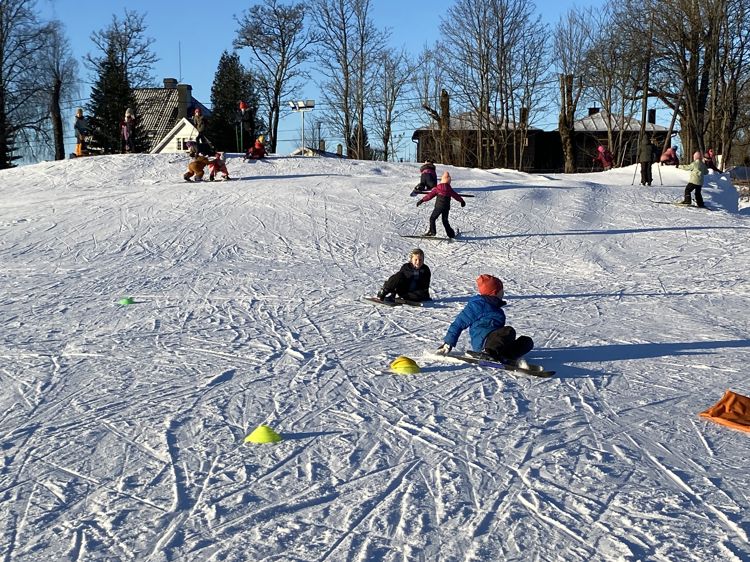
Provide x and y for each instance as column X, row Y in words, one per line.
column 395, row 72
column 429, row 82
column 59, row 71
column 350, row 46
column 132, row 48
column 571, row 44
column 21, row 44
column 280, row 43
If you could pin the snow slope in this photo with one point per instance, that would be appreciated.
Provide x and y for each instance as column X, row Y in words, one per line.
column 122, row 426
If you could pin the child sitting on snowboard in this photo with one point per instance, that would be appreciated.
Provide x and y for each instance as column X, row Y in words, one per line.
column 216, row 165
column 484, row 317
column 411, row 282
column 444, row 192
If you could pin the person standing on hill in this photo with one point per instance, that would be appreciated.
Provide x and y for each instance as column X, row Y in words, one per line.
column 646, row 156
column 127, row 131
column 698, row 171
column 484, row 317
column 604, row 157
column 82, row 130
column 411, row 282
column 200, row 124
column 444, row 192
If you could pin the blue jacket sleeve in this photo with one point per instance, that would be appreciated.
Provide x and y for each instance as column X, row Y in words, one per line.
column 461, row 322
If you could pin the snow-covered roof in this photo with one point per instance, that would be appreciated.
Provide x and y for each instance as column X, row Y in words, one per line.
column 597, row 123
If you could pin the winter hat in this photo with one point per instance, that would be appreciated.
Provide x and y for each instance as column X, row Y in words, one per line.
column 261, row 138
column 489, row 285
column 79, row 112
column 697, row 155
column 197, row 111
column 243, row 105
column 600, row 148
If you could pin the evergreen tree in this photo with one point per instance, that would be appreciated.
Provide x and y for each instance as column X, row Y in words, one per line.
column 232, row 84
column 111, row 95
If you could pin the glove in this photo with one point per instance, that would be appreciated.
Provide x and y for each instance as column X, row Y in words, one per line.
column 444, row 349
column 419, row 202
column 463, row 203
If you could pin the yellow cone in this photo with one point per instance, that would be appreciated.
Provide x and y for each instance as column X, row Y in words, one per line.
column 263, row 434
column 404, row 366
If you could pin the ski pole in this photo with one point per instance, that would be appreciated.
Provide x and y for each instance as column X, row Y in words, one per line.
column 659, row 170
column 635, row 171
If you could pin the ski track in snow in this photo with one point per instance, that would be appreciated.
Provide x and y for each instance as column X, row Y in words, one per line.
column 122, row 426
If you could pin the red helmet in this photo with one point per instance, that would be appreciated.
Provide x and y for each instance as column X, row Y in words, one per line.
column 243, row 105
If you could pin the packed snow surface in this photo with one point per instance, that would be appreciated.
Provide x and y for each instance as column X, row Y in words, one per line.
column 122, row 426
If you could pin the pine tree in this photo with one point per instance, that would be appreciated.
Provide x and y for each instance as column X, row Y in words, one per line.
column 232, row 84
column 111, row 95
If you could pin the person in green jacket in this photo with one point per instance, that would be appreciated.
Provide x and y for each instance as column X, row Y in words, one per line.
column 698, row 171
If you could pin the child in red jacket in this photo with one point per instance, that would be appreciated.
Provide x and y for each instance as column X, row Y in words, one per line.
column 216, row 165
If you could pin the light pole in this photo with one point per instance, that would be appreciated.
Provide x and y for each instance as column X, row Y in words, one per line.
column 302, row 106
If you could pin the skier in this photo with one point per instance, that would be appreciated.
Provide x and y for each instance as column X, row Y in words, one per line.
column 647, row 155
column 217, row 164
column 411, row 282
column 484, row 317
column 697, row 172
column 82, row 130
column 427, row 178
column 604, row 157
column 246, row 122
column 444, row 192
column 257, row 151
column 197, row 163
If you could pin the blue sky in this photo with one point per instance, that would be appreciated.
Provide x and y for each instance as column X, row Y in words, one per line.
column 190, row 36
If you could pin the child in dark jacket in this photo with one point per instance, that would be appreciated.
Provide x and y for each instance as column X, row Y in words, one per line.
column 427, row 177
column 411, row 282
column 444, row 192
column 484, row 317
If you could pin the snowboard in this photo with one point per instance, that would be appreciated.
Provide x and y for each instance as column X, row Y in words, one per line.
column 483, row 360
column 398, row 302
column 679, row 204
column 422, row 236
column 416, row 192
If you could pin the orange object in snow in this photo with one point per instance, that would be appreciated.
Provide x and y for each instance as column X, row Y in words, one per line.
column 733, row 410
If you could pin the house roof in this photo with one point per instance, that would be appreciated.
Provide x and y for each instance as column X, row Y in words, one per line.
column 182, row 124
column 466, row 121
column 158, row 112
column 597, row 123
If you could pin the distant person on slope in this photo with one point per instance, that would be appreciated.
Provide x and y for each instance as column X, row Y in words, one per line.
column 698, row 171
column 709, row 161
column 127, row 131
column 444, row 192
column 669, row 158
column 258, row 150
column 82, row 130
column 197, row 163
column 411, row 282
column 647, row 154
column 484, row 317
column 604, row 157
column 427, row 177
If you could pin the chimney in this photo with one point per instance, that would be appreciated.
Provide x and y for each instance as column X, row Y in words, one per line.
column 593, row 111
column 651, row 116
column 170, row 83
column 184, row 99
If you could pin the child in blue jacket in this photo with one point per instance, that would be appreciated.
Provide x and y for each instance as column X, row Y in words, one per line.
column 484, row 317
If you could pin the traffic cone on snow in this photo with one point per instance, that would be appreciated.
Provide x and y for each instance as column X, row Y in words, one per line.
column 263, row 434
